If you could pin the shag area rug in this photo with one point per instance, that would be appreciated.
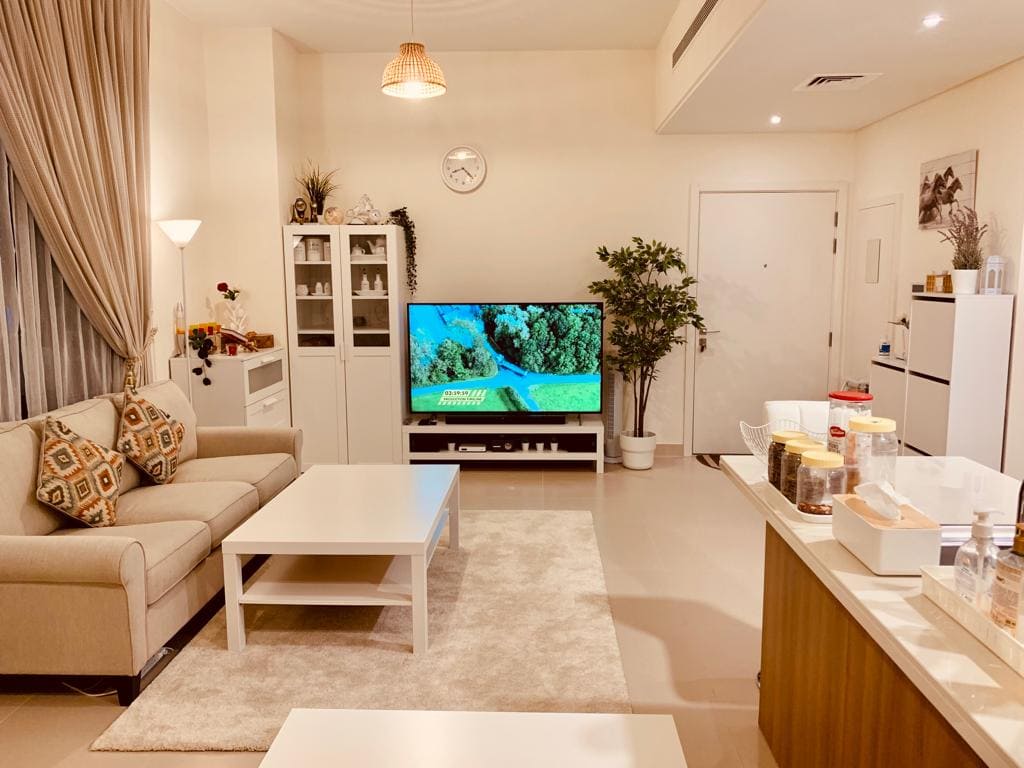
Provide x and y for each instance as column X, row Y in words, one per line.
column 519, row 620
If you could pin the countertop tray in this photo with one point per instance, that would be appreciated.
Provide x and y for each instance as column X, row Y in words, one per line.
column 938, row 585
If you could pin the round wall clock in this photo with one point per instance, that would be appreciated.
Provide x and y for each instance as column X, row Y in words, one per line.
column 463, row 169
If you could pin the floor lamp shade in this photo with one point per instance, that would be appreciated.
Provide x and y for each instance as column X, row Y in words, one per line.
column 179, row 231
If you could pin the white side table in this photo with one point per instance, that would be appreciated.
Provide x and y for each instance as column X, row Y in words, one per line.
column 249, row 389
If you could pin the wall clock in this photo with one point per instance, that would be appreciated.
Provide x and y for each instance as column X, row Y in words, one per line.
column 463, row 169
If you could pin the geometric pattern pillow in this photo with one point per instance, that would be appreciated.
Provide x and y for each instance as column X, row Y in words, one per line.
column 150, row 438
column 77, row 476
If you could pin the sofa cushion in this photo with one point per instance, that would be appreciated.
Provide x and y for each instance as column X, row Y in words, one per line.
column 97, row 420
column 269, row 473
column 168, row 397
column 21, row 513
column 77, row 476
column 222, row 506
column 150, row 438
column 172, row 549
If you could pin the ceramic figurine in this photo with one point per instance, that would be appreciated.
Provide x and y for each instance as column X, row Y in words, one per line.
column 363, row 212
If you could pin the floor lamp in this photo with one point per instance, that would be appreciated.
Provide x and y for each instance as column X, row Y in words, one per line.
column 180, row 232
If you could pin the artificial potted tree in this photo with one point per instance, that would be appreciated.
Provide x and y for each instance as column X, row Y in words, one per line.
column 965, row 234
column 651, row 306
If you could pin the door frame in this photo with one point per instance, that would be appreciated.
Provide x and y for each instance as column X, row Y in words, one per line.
column 841, row 190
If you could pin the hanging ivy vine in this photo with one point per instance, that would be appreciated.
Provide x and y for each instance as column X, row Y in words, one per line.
column 400, row 216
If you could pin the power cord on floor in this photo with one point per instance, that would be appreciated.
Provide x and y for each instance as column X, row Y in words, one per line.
column 153, row 661
column 99, row 695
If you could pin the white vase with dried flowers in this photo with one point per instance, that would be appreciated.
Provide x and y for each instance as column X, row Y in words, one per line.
column 965, row 234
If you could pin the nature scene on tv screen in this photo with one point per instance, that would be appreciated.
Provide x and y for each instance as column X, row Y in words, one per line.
column 497, row 358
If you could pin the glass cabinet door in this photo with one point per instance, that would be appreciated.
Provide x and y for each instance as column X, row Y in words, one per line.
column 368, row 257
column 314, row 293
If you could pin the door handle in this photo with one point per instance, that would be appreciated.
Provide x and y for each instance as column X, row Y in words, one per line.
column 702, row 339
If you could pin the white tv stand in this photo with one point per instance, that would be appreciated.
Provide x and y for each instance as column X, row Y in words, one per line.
column 579, row 439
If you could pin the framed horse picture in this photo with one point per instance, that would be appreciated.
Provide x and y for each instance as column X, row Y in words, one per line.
column 947, row 184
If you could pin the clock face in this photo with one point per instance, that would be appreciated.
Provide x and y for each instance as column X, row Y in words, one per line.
column 463, row 169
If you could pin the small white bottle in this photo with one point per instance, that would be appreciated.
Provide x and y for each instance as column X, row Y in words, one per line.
column 364, row 283
column 975, row 564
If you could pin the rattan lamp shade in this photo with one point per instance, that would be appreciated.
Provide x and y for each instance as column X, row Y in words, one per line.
column 413, row 75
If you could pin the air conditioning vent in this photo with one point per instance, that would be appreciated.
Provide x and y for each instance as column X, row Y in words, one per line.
column 847, row 81
column 698, row 22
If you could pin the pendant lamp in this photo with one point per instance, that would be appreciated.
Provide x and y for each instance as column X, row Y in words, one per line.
column 412, row 74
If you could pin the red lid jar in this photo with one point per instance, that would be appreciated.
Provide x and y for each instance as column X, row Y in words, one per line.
column 842, row 405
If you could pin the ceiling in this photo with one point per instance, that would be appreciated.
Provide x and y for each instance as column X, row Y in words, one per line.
column 447, row 25
column 789, row 40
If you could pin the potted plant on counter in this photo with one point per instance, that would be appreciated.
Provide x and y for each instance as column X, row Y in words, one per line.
column 651, row 306
column 965, row 234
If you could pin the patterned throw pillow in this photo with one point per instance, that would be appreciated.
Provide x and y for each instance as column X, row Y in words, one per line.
column 78, row 477
column 150, row 438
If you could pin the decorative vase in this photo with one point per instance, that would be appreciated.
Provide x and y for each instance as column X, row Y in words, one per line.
column 965, row 281
column 235, row 316
column 638, row 452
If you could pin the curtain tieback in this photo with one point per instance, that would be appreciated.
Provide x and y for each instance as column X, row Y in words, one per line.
column 131, row 364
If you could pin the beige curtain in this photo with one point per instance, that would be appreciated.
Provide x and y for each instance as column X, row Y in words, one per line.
column 50, row 355
column 74, row 122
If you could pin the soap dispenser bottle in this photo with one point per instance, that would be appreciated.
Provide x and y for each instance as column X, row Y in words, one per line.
column 975, row 564
column 1009, row 583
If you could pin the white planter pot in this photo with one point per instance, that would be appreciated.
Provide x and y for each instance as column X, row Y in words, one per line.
column 638, row 452
column 965, row 281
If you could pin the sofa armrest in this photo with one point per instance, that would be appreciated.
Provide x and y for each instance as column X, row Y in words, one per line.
column 245, row 441
column 110, row 560
column 72, row 605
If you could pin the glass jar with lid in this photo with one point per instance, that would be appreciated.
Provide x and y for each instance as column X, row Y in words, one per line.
column 779, row 439
column 842, row 406
column 871, row 449
column 821, row 475
column 791, row 464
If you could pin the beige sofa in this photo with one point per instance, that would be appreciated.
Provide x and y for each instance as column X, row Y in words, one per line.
column 103, row 601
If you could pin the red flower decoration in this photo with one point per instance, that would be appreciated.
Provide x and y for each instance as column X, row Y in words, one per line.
column 222, row 286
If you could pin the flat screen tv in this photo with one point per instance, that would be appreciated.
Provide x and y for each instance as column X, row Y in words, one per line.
column 539, row 358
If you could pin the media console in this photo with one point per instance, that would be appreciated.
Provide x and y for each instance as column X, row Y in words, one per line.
column 579, row 439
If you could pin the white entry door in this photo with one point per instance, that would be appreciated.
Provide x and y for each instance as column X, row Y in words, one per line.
column 765, row 288
column 871, row 288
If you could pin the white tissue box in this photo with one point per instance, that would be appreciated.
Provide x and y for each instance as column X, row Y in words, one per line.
column 886, row 547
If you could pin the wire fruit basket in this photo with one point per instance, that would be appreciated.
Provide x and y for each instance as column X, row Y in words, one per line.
column 758, row 439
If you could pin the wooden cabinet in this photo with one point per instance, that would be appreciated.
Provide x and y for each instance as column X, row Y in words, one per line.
column 345, row 289
column 246, row 390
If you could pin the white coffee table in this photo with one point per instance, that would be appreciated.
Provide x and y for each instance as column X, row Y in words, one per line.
column 353, row 534
column 428, row 739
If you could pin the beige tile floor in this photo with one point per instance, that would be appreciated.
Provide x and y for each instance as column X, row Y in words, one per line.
column 683, row 557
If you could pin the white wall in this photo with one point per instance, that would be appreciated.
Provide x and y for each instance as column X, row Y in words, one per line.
column 573, row 163
column 986, row 114
column 242, row 227
column 179, row 158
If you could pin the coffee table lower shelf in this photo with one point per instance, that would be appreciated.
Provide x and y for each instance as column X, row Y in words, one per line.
column 332, row 580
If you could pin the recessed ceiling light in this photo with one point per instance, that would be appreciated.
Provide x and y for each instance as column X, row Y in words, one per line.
column 932, row 20
column 775, row 119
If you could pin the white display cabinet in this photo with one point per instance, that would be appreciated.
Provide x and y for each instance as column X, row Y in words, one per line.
column 346, row 340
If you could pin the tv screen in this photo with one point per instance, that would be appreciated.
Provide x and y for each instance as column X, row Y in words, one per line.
column 505, row 358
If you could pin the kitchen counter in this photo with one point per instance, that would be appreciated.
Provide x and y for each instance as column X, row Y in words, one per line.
column 960, row 701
